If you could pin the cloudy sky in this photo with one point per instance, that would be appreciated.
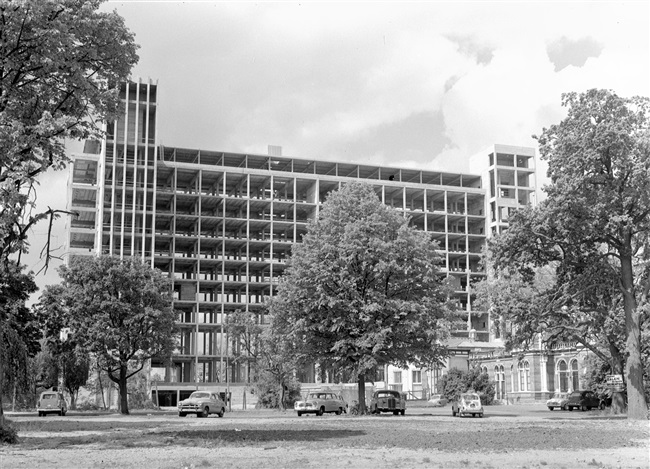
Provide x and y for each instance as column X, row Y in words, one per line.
column 418, row 84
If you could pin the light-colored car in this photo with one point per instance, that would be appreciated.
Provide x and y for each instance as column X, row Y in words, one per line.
column 51, row 402
column 437, row 400
column 202, row 403
column 468, row 403
column 558, row 401
column 387, row 400
column 320, row 402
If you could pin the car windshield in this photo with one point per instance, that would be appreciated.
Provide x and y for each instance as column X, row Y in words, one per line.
column 559, row 395
column 48, row 396
column 387, row 394
column 470, row 397
column 575, row 394
column 200, row 395
column 317, row 396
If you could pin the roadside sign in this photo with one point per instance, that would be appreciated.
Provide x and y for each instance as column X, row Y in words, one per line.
column 614, row 380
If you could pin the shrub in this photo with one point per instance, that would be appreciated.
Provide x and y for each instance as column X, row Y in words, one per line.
column 457, row 381
column 87, row 406
column 8, row 434
column 268, row 394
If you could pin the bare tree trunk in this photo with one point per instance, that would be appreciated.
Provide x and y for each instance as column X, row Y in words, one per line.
column 2, row 378
column 124, row 398
column 282, row 406
column 637, row 408
column 361, row 395
column 101, row 386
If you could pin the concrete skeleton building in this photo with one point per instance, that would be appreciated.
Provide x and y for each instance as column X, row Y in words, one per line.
column 222, row 224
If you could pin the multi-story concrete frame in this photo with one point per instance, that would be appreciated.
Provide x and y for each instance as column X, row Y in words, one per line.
column 509, row 173
column 222, row 224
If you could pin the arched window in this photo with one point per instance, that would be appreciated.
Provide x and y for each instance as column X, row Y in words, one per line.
column 500, row 381
column 484, row 369
column 562, row 374
column 524, row 376
column 575, row 383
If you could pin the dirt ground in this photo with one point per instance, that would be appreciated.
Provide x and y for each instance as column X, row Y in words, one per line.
column 274, row 440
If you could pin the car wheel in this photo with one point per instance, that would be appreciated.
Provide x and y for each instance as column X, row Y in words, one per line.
column 453, row 412
column 182, row 414
column 583, row 408
column 299, row 414
column 221, row 412
column 564, row 407
column 550, row 408
column 403, row 411
column 602, row 406
column 204, row 413
column 570, row 408
column 396, row 412
column 339, row 411
column 63, row 413
column 321, row 411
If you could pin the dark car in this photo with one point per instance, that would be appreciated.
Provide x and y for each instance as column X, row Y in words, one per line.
column 387, row 400
column 606, row 399
column 583, row 400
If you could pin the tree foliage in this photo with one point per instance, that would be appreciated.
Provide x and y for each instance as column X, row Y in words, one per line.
column 117, row 310
column 592, row 231
column 19, row 331
column 60, row 61
column 270, row 357
column 362, row 289
column 245, row 334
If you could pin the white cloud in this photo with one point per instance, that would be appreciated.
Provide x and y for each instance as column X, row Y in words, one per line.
column 371, row 81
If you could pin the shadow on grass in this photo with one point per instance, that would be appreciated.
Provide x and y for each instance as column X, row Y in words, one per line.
column 186, row 438
column 237, row 436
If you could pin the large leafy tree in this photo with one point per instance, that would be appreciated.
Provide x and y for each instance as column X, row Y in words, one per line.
column 65, row 361
column 19, row 332
column 60, row 61
column 593, row 228
column 525, row 305
column 117, row 310
column 363, row 289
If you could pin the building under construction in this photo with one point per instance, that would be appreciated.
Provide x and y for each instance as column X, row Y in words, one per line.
column 222, row 225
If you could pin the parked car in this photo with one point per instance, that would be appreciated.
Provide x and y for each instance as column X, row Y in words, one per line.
column 583, row 400
column 51, row 402
column 437, row 400
column 387, row 400
column 466, row 404
column 558, row 401
column 320, row 402
column 202, row 403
